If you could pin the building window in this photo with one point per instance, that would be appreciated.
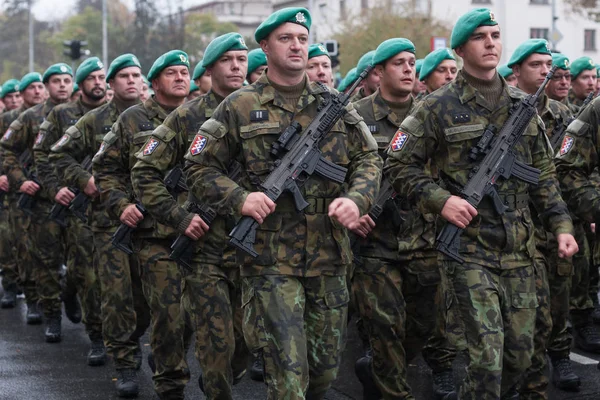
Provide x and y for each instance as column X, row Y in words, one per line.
column 343, row 14
column 481, row 1
column 539, row 33
column 539, row 2
column 589, row 40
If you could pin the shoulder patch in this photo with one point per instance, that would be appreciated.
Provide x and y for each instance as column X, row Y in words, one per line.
column 7, row 134
column 39, row 138
column 198, row 144
column 566, row 145
column 399, row 140
column 61, row 142
column 150, row 146
column 413, row 125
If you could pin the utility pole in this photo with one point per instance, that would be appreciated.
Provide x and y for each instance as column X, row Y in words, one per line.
column 311, row 32
column 104, row 33
column 29, row 5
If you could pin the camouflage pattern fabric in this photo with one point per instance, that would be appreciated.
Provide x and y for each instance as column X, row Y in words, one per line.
column 574, row 102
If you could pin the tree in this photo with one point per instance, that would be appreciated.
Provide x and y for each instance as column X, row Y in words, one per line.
column 200, row 29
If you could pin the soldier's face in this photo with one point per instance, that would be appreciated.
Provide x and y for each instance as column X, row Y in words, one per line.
column 229, row 71
column 13, row 100
column 418, row 87
column 532, row 72
column 110, row 94
column 511, row 80
column 193, row 95
column 287, row 49
column 398, row 74
column 256, row 74
column 483, row 49
column 584, row 84
column 173, row 82
column 144, row 92
column 442, row 75
column 319, row 70
column 558, row 87
column 94, row 85
column 127, row 84
column 204, row 82
column 60, row 87
column 34, row 94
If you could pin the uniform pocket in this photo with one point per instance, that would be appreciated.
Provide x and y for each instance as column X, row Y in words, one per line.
column 253, row 324
column 524, row 300
column 460, row 140
column 267, row 241
column 257, row 140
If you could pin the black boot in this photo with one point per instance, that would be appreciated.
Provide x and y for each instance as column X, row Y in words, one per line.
column 9, row 298
column 563, row 376
column 34, row 315
column 257, row 369
column 362, row 368
column 127, row 383
column 443, row 383
column 53, row 330
column 587, row 337
column 72, row 307
column 97, row 354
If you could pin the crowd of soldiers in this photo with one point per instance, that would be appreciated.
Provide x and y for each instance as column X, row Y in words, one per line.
column 105, row 180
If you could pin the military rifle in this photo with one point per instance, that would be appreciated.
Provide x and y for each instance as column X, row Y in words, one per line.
column 499, row 162
column 27, row 202
column 121, row 239
column 301, row 159
column 558, row 135
column 58, row 213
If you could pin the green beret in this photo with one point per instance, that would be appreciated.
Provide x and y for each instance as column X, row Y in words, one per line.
column 28, row 79
column 57, row 69
column 75, row 89
column 145, row 80
column 467, row 23
column 122, row 62
column 10, row 86
column 193, row 87
column 597, row 70
column 90, row 65
column 561, row 61
column 527, row 48
column 580, row 65
column 389, row 49
column 222, row 44
column 348, row 80
column 256, row 58
column 418, row 66
column 316, row 50
column 432, row 60
column 504, row 71
column 200, row 70
column 170, row 58
column 296, row 15
column 364, row 62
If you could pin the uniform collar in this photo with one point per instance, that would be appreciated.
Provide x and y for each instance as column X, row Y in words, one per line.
column 154, row 109
column 382, row 110
column 267, row 93
column 467, row 92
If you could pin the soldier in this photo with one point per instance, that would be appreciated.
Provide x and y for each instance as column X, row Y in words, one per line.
column 109, row 93
column 11, row 97
column 531, row 62
column 396, row 280
column 348, row 80
column 583, row 82
column 294, row 293
column 145, row 91
column 201, row 78
column 76, row 95
column 318, row 68
column 419, row 87
column 161, row 278
column 125, row 314
column 370, row 84
column 558, row 87
column 216, row 315
column 257, row 63
column 495, row 286
column 194, row 92
column 508, row 75
column 77, row 238
column 439, row 68
column 46, row 247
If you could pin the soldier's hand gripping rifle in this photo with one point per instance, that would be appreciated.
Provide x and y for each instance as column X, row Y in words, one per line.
column 78, row 205
column 499, row 162
column 558, row 135
column 121, row 239
column 26, row 202
column 302, row 159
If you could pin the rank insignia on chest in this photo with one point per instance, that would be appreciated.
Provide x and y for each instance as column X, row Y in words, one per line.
column 7, row 135
column 61, row 142
column 146, row 126
column 399, row 141
column 259, row 115
column 567, row 145
column 106, row 128
column 198, row 145
column 39, row 138
column 150, row 147
column 372, row 128
column 461, row 118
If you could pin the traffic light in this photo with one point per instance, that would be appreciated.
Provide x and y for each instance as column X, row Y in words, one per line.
column 74, row 49
column 333, row 48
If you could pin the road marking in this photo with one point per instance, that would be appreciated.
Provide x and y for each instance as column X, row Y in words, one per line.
column 578, row 358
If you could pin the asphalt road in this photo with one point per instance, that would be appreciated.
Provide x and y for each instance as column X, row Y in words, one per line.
column 31, row 369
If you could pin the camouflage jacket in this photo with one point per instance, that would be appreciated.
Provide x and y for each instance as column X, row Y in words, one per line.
column 52, row 129
column 574, row 103
column 81, row 140
column 6, row 118
column 444, row 128
column 400, row 232
column 116, row 157
column 359, row 95
column 20, row 136
column 243, row 128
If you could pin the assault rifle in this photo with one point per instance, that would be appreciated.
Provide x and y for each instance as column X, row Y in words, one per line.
column 302, row 158
column 499, row 162
column 121, row 239
column 78, row 205
column 560, row 131
column 27, row 202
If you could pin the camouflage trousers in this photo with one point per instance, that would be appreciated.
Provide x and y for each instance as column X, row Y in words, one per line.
column 8, row 260
column 498, row 309
column 81, row 274
column 212, row 297
column 162, row 287
column 125, row 314
column 298, row 325
column 581, row 304
column 21, row 244
column 535, row 382
column 398, row 307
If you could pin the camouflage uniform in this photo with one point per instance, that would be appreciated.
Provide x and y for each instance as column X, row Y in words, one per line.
column 294, row 293
column 574, row 102
column 396, row 280
column 125, row 314
column 161, row 278
column 77, row 238
column 212, row 291
column 46, row 251
column 359, row 95
column 496, row 283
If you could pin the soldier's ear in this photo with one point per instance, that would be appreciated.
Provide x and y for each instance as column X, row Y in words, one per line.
column 516, row 70
column 460, row 51
column 379, row 70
